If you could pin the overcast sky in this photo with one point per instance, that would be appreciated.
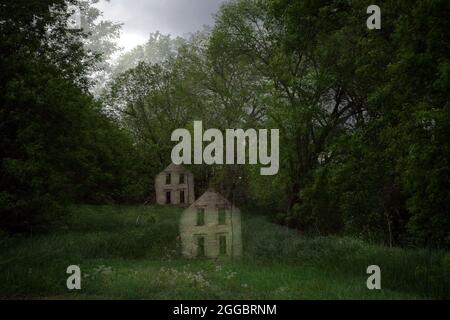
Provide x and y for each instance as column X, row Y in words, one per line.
column 141, row 17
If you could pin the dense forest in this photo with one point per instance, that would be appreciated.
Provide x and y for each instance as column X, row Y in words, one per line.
column 364, row 115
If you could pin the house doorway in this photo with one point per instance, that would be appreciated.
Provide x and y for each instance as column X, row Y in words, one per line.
column 168, row 197
column 222, row 245
column 200, row 246
column 182, row 200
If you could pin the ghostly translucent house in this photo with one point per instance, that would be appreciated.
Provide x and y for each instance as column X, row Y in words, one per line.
column 175, row 186
column 211, row 227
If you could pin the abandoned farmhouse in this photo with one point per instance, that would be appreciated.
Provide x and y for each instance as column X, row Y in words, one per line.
column 211, row 227
column 175, row 186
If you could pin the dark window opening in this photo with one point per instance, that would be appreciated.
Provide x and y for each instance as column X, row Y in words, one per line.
column 200, row 216
column 168, row 178
column 222, row 216
column 168, row 197
column 181, row 178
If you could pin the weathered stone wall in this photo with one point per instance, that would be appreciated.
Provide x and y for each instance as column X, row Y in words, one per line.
column 211, row 230
column 174, row 187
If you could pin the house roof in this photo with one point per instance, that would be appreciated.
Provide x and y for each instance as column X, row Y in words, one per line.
column 211, row 197
column 175, row 168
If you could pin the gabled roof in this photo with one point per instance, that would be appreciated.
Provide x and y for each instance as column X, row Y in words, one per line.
column 211, row 197
column 175, row 168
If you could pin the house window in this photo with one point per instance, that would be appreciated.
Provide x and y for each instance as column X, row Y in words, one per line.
column 200, row 216
column 168, row 178
column 222, row 216
column 181, row 178
column 200, row 246
column 222, row 245
column 181, row 196
column 168, row 197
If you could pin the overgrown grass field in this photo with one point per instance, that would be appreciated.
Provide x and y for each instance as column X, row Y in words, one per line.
column 133, row 253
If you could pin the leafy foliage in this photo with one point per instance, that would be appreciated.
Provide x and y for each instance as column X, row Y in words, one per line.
column 364, row 115
column 56, row 144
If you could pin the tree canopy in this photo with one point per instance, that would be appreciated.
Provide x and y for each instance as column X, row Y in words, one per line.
column 364, row 115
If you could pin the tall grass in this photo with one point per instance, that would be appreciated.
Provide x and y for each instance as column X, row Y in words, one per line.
column 420, row 271
column 134, row 253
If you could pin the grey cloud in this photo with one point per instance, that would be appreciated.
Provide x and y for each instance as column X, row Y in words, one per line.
column 176, row 17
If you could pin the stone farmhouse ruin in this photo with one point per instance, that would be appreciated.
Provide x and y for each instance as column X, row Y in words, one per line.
column 211, row 227
column 175, row 186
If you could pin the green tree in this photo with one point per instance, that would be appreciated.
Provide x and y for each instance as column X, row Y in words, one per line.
column 56, row 145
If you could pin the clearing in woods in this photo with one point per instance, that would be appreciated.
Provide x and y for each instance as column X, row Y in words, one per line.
column 133, row 253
